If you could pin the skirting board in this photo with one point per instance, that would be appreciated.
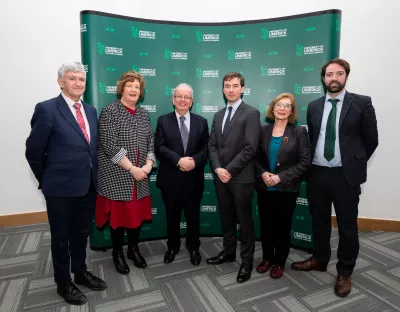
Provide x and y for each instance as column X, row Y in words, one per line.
column 364, row 224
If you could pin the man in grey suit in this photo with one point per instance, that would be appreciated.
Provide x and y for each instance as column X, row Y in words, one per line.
column 343, row 134
column 232, row 148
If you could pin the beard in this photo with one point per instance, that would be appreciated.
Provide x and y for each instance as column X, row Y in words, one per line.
column 335, row 87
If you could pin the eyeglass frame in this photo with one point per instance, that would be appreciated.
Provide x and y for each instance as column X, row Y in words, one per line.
column 285, row 106
column 183, row 97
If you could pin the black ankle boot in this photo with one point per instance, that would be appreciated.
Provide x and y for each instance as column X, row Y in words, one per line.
column 134, row 254
column 119, row 261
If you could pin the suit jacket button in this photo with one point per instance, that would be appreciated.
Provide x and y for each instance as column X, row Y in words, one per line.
column 278, row 164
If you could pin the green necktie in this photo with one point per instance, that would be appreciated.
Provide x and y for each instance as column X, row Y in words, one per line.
column 330, row 132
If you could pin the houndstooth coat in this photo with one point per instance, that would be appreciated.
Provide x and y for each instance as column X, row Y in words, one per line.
column 121, row 134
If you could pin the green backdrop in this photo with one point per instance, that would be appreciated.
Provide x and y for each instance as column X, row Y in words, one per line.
column 274, row 55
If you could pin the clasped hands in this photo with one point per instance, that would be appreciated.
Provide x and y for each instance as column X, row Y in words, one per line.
column 270, row 179
column 223, row 175
column 186, row 164
column 140, row 173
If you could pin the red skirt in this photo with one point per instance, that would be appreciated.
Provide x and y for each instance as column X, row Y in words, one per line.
column 126, row 214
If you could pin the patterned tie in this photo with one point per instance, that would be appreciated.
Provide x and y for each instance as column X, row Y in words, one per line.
column 228, row 119
column 330, row 132
column 184, row 132
column 81, row 121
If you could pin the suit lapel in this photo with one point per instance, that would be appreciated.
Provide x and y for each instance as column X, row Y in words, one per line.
column 287, row 136
column 318, row 114
column 267, row 141
column 66, row 112
column 92, row 122
column 238, row 112
column 345, row 107
column 192, row 133
column 219, row 117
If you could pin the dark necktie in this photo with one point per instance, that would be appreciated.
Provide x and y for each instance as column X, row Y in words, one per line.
column 330, row 132
column 228, row 119
column 184, row 132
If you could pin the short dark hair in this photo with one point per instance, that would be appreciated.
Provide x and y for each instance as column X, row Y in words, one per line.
column 231, row 75
column 338, row 61
column 130, row 76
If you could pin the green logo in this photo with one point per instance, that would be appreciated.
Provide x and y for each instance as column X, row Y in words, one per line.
column 231, row 55
column 135, row 32
column 206, row 91
column 176, row 36
column 199, row 36
column 146, row 227
column 198, row 107
column 144, row 53
column 311, row 28
column 272, row 53
column 167, row 54
column 175, row 73
column 297, row 89
column 135, row 68
column 205, row 225
column 167, row 90
column 337, row 25
column 299, row 50
column 146, row 90
column 106, row 234
column 109, row 29
column 102, row 88
column 303, row 108
column 263, row 71
column 307, row 69
column 207, row 55
column 111, row 69
column 264, row 33
column 262, row 109
column 239, row 36
column 271, row 90
column 199, row 73
column 100, row 48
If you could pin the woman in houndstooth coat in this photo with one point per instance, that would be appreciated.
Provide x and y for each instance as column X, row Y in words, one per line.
column 126, row 157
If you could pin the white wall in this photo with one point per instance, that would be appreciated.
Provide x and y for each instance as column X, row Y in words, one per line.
column 38, row 36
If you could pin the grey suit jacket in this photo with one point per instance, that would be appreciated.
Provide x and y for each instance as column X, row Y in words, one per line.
column 236, row 149
column 358, row 133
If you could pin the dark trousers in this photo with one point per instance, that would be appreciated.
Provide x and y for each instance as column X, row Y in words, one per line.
column 327, row 186
column 189, row 203
column 235, row 206
column 275, row 210
column 70, row 220
column 118, row 236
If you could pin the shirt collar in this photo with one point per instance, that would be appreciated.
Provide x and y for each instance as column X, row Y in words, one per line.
column 187, row 115
column 69, row 101
column 235, row 105
column 340, row 97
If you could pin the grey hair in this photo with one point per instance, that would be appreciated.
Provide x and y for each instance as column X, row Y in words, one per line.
column 185, row 85
column 73, row 66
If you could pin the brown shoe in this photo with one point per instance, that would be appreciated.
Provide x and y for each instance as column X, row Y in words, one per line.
column 343, row 286
column 308, row 265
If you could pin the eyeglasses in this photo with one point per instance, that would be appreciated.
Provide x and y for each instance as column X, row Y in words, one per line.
column 283, row 105
column 183, row 97
column 132, row 87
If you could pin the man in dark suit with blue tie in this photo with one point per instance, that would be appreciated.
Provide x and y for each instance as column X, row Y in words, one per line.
column 343, row 134
column 181, row 147
column 62, row 153
column 232, row 148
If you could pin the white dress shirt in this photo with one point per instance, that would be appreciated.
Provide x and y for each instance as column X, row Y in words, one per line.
column 73, row 110
column 234, row 108
column 186, row 122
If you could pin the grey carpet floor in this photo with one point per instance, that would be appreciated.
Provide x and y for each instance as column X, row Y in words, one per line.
column 26, row 279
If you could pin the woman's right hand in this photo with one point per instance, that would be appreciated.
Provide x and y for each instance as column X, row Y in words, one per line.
column 138, row 173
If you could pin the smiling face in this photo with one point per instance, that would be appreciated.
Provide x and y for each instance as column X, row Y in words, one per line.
column 232, row 90
column 131, row 92
column 73, row 84
column 335, row 78
column 182, row 99
column 283, row 109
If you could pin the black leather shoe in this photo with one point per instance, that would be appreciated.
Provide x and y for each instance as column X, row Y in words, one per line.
column 170, row 255
column 71, row 293
column 195, row 257
column 119, row 261
column 221, row 258
column 134, row 254
column 244, row 273
column 90, row 281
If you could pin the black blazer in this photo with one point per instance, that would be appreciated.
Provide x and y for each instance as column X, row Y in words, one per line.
column 235, row 151
column 292, row 162
column 358, row 133
column 169, row 149
column 61, row 159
